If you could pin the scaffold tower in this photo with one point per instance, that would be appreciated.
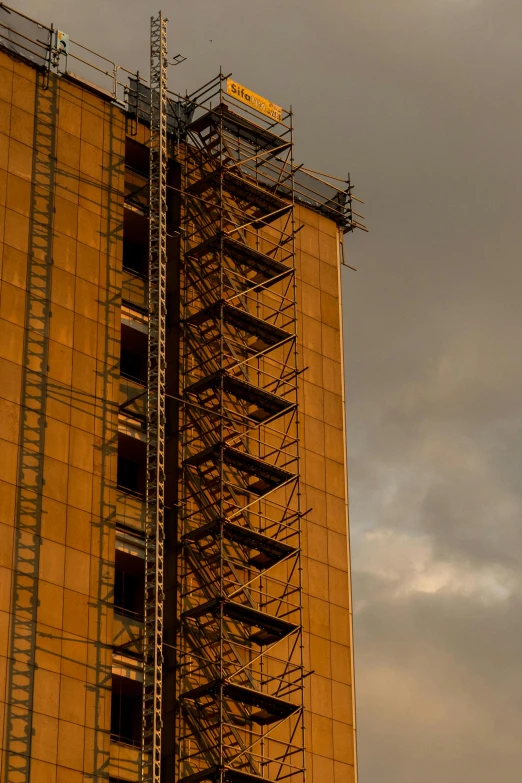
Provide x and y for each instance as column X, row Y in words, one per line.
column 240, row 681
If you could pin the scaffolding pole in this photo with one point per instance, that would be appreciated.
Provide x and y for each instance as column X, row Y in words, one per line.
column 154, row 530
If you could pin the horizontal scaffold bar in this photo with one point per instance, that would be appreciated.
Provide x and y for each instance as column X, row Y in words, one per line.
column 271, row 629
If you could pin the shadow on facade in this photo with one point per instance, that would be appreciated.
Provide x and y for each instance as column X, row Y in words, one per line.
column 21, row 665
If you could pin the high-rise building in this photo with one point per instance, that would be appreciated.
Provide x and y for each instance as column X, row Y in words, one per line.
column 174, row 560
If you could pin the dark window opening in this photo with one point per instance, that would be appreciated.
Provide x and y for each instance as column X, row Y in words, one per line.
column 129, row 585
column 135, row 258
column 137, row 156
column 136, row 243
column 133, row 356
column 126, row 710
column 132, row 454
column 137, row 175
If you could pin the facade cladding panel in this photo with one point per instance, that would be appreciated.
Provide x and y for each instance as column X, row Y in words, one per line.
column 72, row 342
column 327, row 620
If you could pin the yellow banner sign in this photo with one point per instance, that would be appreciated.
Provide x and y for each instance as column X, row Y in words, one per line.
column 254, row 101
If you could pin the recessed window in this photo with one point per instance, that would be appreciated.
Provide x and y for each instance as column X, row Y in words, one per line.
column 132, row 458
column 133, row 354
column 136, row 243
column 126, row 710
column 137, row 176
column 135, row 258
column 129, row 581
column 137, row 156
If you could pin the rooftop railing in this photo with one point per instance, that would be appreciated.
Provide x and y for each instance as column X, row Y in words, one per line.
column 53, row 51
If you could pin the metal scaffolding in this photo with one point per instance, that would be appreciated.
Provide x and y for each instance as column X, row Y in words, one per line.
column 155, row 488
column 240, row 664
column 238, row 649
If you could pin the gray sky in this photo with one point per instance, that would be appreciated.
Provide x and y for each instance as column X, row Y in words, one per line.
column 421, row 101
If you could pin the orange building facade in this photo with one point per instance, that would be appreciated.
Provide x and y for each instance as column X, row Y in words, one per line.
column 73, row 364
